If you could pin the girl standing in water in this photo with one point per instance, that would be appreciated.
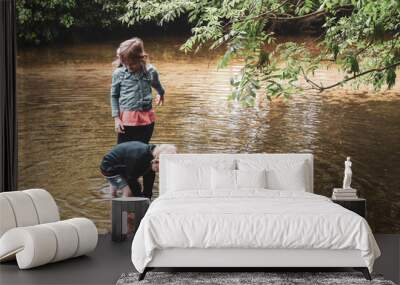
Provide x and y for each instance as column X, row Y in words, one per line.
column 131, row 99
column 131, row 96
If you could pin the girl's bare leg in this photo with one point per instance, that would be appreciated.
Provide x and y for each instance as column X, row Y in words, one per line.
column 113, row 191
column 126, row 191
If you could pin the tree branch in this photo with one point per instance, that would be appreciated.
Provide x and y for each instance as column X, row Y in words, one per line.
column 266, row 13
column 295, row 18
column 313, row 14
column 321, row 88
column 258, row 16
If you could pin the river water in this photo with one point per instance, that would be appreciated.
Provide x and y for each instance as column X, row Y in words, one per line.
column 65, row 126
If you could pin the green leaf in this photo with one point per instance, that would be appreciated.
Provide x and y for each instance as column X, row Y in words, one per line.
column 390, row 77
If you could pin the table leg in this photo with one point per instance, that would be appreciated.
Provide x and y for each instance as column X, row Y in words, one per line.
column 116, row 230
column 140, row 211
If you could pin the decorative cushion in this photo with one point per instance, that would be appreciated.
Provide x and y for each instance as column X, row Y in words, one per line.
column 281, row 175
column 188, row 176
column 223, row 179
column 251, row 178
column 257, row 161
column 226, row 179
column 285, row 177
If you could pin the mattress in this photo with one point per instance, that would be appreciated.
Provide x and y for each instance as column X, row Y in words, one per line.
column 250, row 219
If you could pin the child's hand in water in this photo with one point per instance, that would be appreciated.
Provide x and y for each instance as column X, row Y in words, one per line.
column 119, row 127
column 160, row 100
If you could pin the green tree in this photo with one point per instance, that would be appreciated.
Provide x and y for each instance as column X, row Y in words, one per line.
column 361, row 37
column 99, row 13
column 40, row 21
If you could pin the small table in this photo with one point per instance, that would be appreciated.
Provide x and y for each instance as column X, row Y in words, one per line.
column 358, row 206
column 121, row 207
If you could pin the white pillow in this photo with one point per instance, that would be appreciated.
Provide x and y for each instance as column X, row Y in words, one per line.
column 251, row 178
column 185, row 177
column 190, row 176
column 281, row 175
column 288, row 178
column 223, row 179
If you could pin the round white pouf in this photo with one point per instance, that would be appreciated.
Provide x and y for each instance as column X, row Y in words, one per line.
column 87, row 234
column 52, row 242
column 46, row 207
column 33, row 246
column 24, row 210
column 6, row 215
column 67, row 240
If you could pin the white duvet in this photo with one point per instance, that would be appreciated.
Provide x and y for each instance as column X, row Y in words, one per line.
column 253, row 218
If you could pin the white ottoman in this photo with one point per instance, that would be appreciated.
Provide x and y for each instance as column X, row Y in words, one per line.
column 31, row 232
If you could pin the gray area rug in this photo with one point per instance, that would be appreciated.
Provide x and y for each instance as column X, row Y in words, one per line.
column 243, row 278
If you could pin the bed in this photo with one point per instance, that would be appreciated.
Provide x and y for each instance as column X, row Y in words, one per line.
column 247, row 210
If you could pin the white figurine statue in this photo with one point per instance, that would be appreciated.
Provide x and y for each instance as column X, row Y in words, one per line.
column 347, row 174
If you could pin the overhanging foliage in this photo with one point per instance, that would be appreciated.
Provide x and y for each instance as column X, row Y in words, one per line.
column 361, row 37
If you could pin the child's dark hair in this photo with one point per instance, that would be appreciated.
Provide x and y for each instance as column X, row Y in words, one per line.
column 132, row 55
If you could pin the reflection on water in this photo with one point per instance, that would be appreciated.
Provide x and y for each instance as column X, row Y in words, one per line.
column 65, row 126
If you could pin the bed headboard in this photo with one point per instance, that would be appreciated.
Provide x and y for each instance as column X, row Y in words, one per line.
column 207, row 159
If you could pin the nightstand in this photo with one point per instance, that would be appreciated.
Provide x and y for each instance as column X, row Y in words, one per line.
column 358, row 206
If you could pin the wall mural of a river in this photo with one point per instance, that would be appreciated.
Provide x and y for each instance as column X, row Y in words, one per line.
column 65, row 126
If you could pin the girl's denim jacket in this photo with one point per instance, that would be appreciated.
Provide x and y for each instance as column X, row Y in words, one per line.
column 132, row 91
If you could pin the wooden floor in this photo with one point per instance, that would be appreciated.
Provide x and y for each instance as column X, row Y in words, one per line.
column 110, row 260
